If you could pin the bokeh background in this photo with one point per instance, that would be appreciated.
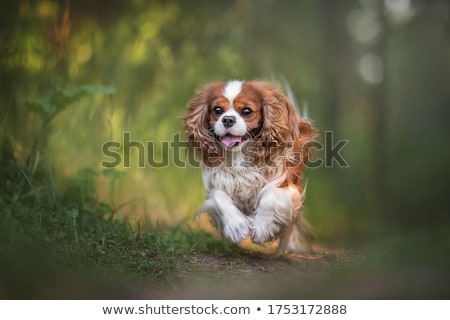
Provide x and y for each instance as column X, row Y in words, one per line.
column 77, row 74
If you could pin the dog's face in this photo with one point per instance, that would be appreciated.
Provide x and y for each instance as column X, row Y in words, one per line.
column 236, row 114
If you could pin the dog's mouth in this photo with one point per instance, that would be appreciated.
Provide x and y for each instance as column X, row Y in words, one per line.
column 231, row 141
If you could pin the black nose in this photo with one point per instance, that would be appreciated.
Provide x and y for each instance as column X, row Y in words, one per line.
column 228, row 121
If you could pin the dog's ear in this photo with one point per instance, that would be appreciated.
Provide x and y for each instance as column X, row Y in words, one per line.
column 196, row 121
column 302, row 133
column 197, row 118
column 283, row 127
column 280, row 119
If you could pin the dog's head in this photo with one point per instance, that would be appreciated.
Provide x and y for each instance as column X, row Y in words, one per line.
column 227, row 115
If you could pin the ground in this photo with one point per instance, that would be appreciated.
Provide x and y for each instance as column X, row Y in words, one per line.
column 327, row 274
column 249, row 275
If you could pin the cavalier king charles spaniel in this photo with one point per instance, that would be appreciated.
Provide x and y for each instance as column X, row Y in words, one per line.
column 252, row 145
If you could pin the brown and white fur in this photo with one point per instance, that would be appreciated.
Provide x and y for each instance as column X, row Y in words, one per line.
column 252, row 145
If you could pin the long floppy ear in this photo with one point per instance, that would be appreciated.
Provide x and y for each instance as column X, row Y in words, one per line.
column 302, row 134
column 283, row 127
column 302, row 130
column 196, row 121
column 280, row 123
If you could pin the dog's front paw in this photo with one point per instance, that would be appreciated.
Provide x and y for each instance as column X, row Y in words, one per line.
column 273, row 213
column 237, row 229
column 265, row 230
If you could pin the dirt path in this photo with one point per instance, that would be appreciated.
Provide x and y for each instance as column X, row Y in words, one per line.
column 250, row 275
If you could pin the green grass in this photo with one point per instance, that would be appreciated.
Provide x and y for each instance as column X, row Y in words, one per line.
column 45, row 243
column 39, row 246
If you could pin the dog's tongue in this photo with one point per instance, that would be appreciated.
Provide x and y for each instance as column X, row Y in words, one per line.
column 231, row 141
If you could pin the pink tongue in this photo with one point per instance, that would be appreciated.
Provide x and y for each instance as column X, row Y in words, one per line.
column 230, row 141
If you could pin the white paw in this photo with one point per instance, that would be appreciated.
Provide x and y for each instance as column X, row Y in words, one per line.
column 236, row 229
column 273, row 213
column 265, row 230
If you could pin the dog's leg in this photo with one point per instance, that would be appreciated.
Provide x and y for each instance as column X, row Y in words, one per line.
column 228, row 219
column 274, row 211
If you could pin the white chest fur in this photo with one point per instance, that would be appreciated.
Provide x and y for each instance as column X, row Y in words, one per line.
column 240, row 180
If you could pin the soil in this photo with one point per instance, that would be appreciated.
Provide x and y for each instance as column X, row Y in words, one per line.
column 253, row 275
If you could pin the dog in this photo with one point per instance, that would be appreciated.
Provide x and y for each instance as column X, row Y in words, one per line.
column 252, row 146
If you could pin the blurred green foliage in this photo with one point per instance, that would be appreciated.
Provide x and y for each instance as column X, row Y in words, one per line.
column 375, row 73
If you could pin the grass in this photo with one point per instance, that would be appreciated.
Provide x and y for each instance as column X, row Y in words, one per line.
column 76, row 238
column 40, row 245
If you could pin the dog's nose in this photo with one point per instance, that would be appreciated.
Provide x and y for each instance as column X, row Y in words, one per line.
column 228, row 121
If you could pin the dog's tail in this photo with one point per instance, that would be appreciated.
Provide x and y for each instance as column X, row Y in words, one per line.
column 290, row 94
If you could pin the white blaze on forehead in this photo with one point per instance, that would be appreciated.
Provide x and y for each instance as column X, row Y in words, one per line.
column 230, row 136
column 232, row 89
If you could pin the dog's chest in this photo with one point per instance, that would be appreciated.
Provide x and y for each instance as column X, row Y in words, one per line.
column 241, row 183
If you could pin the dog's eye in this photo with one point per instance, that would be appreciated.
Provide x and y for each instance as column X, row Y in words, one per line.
column 218, row 110
column 246, row 112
